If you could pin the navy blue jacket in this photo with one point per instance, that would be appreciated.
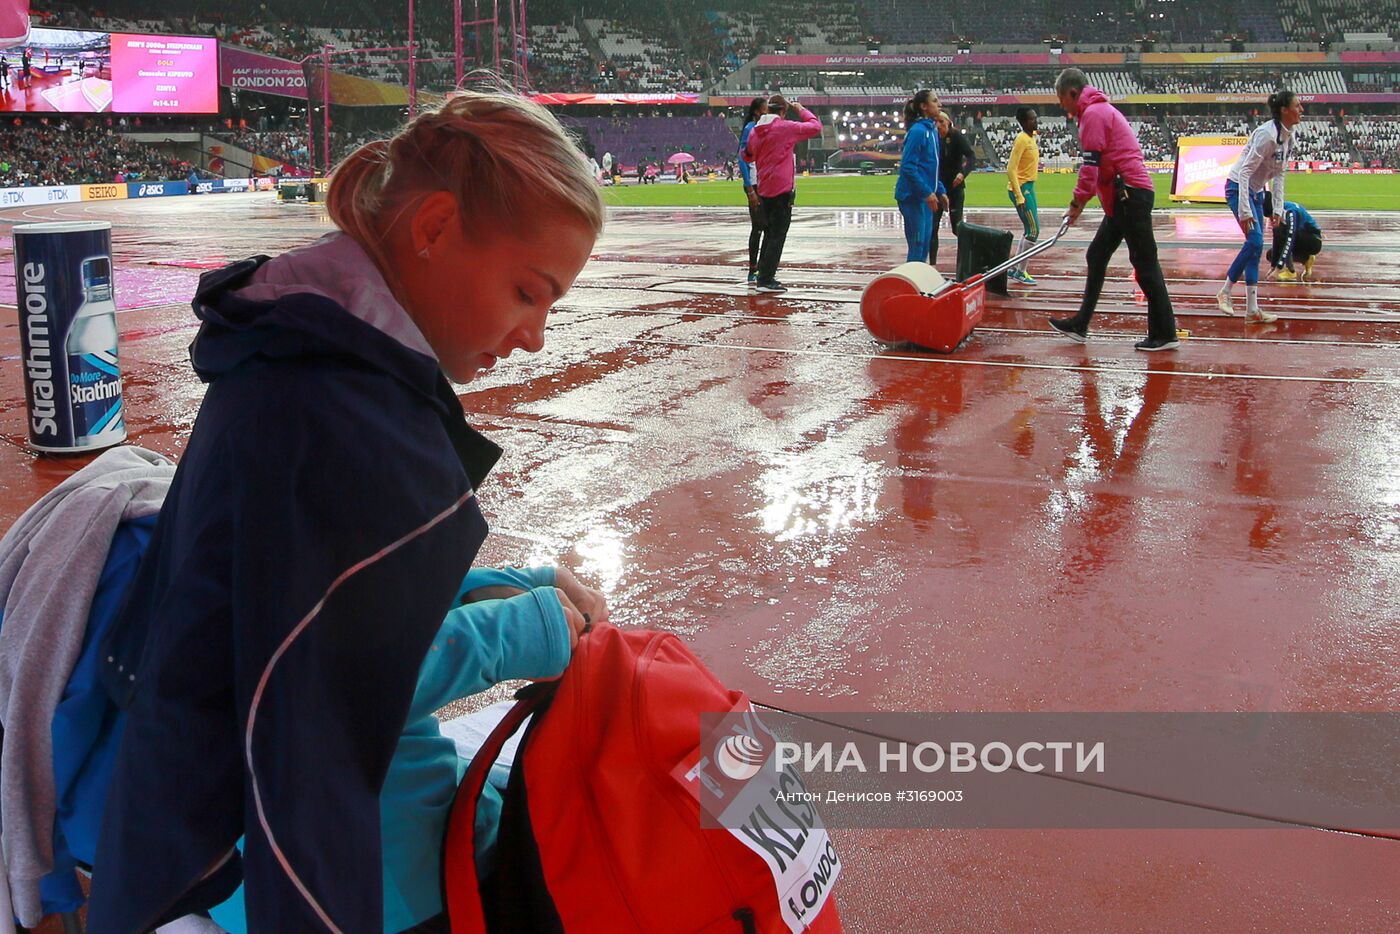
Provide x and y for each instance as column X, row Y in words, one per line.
column 318, row 527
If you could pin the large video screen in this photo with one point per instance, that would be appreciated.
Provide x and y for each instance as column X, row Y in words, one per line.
column 71, row 71
column 1202, row 163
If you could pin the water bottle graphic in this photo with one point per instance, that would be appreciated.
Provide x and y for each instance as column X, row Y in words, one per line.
column 94, row 376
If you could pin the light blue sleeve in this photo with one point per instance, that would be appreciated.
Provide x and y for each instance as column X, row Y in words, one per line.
column 490, row 641
column 523, row 578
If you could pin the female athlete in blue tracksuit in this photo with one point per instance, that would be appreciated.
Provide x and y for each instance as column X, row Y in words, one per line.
column 918, row 181
column 1263, row 164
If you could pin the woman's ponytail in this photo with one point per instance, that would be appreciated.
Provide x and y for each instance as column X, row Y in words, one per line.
column 353, row 200
column 914, row 107
column 1279, row 101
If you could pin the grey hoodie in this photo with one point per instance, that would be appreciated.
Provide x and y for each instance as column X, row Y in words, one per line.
column 50, row 562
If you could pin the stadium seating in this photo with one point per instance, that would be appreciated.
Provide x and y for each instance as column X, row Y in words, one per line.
column 560, row 60
column 1260, row 20
column 1315, row 81
column 1156, row 140
column 643, row 59
column 1342, row 17
column 1059, row 140
column 1208, row 126
column 1114, row 83
column 1376, row 140
column 656, row 138
column 1321, row 139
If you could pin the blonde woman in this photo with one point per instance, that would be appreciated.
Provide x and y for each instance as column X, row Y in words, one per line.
column 322, row 522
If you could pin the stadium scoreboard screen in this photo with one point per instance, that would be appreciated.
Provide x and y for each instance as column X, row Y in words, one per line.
column 165, row 74
column 75, row 71
column 1202, row 164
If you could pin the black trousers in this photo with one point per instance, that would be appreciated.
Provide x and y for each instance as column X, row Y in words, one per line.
column 1307, row 243
column 778, row 212
column 956, row 197
column 1131, row 221
column 758, row 222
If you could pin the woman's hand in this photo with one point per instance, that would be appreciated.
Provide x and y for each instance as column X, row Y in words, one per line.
column 577, row 622
column 588, row 601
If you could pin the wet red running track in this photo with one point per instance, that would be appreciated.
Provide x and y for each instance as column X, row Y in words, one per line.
column 1024, row 525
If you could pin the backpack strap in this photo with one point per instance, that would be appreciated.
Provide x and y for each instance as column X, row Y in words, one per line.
column 463, row 896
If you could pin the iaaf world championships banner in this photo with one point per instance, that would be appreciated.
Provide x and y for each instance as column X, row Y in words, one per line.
column 937, row 58
column 243, row 70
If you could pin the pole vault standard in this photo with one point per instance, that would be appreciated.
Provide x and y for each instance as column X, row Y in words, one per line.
column 516, row 69
column 519, row 44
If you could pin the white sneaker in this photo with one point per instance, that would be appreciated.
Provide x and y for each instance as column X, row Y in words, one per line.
column 1224, row 302
column 1261, row 317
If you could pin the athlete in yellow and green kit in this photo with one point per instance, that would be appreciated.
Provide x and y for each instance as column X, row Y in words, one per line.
column 1021, row 170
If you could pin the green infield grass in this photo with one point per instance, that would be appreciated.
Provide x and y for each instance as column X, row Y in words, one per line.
column 1318, row 192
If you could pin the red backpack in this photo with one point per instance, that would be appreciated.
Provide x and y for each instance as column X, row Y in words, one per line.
column 601, row 824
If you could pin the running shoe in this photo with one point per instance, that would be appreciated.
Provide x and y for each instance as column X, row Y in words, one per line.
column 1224, row 302
column 771, row 286
column 1261, row 317
column 753, row 280
column 1066, row 327
column 1022, row 277
column 1153, row 344
column 1287, row 275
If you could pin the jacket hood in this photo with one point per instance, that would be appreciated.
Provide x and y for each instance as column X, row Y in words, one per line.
column 1090, row 95
column 295, row 323
column 766, row 119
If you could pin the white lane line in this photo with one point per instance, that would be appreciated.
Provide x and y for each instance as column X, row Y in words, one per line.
column 1056, row 301
column 726, row 285
column 955, row 361
column 856, row 325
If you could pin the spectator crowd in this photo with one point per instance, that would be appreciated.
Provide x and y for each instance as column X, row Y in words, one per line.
column 76, row 151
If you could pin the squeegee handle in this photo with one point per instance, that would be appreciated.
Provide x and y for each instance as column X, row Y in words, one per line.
column 1040, row 247
column 940, row 290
